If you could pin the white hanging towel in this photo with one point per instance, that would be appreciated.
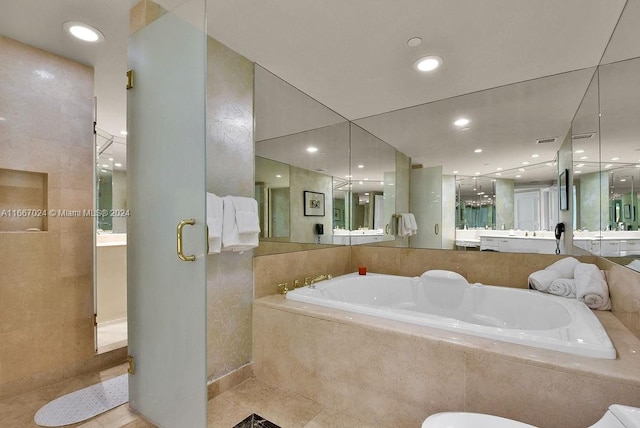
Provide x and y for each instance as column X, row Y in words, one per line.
column 413, row 224
column 241, row 225
column 407, row 225
column 214, row 222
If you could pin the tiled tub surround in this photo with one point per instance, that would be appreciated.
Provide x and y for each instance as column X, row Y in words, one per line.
column 395, row 374
column 444, row 300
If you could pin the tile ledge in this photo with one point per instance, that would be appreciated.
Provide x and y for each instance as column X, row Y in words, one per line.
column 624, row 369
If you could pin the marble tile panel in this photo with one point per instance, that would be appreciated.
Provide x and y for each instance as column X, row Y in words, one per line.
column 540, row 396
column 269, row 271
column 229, row 296
column 329, row 418
column 279, row 406
column 230, row 380
column 377, row 376
column 76, row 253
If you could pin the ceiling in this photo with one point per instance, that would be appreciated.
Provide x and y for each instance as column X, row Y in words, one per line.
column 354, row 57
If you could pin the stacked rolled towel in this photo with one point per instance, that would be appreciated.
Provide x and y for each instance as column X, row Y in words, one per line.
column 556, row 278
column 591, row 287
column 564, row 287
column 564, row 267
column 542, row 279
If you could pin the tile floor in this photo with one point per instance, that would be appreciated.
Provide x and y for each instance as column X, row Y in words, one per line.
column 224, row 411
column 112, row 335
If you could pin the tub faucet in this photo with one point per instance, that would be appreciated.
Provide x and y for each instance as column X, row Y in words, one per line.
column 318, row 279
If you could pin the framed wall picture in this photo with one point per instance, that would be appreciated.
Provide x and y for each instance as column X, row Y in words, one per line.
column 313, row 203
column 564, row 190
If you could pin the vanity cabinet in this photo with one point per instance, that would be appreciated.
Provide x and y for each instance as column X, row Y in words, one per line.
column 519, row 244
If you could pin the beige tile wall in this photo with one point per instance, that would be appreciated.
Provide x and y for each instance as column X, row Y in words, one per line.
column 271, row 270
column 624, row 288
column 46, row 286
column 230, row 164
column 505, row 269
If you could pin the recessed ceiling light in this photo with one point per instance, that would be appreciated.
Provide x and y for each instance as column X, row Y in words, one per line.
column 366, row 194
column 623, row 179
column 608, row 165
column 463, row 121
column 312, row 149
column 498, row 174
column 123, row 132
column 525, row 163
column 535, row 156
column 518, row 176
column 455, row 172
column 360, row 166
column 584, row 157
column 579, row 151
column 521, row 169
column 499, row 169
column 110, row 159
column 360, row 182
column 83, row 32
column 577, row 172
column 347, row 176
column 366, row 179
column 477, row 151
column 117, row 164
column 580, row 165
column 615, row 159
column 382, row 182
column 414, row 41
column 427, row 63
column 477, row 173
column 637, row 166
column 549, row 164
column 278, row 176
column 105, row 166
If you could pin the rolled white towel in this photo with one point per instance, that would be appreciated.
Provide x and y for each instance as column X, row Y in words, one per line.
column 542, row 279
column 563, row 287
column 591, row 287
column 564, row 267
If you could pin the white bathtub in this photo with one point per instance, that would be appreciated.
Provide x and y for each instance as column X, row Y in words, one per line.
column 445, row 300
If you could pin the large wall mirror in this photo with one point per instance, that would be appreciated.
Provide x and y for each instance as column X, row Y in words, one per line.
column 490, row 182
column 606, row 166
column 320, row 180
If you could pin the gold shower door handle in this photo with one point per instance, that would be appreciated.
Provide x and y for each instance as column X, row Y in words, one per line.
column 181, row 225
column 436, row 229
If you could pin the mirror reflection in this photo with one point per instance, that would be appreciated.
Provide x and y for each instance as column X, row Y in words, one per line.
column 505, row 149
column 111, row 182
column 301, row 148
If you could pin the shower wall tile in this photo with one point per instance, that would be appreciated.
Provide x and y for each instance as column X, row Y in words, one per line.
column 46, row 286
column 230, row 171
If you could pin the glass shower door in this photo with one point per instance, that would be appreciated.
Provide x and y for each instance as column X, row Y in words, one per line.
column 166, row 188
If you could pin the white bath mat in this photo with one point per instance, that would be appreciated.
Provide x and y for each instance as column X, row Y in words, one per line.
column 85, row 403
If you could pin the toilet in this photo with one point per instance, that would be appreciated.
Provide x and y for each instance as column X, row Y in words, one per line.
column 618, row 416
